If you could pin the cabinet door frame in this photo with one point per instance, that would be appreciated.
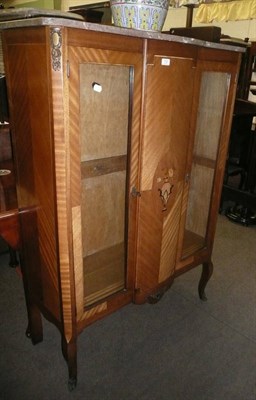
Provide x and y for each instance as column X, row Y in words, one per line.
column 230, row 67
column 85, row 54
column 166, row 113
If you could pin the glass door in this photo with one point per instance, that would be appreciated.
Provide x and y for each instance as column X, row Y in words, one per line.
column 209, row 124
column 105, row 92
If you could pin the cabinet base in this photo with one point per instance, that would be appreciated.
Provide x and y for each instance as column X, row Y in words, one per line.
column 152, row 297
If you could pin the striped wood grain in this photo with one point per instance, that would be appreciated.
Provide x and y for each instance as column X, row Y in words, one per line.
column 62, row 168
column 164, row 147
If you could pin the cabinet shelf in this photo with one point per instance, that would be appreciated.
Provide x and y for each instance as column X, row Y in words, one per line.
column 192, row 243
column 204, row 161
column 103, row 273
column 103, row 166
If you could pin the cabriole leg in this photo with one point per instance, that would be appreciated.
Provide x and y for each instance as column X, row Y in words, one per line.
column 35, row 328
column 69, row 351
column 206, row 275
column 13, row 258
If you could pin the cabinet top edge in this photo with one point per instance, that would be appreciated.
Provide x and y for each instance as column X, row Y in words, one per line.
column 143, row 34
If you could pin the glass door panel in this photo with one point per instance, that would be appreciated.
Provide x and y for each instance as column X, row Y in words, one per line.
column 212, row 99
column 104, row 125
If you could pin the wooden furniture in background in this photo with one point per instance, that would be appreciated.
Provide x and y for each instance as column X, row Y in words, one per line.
column 242, row 147
column 247, row 67
column 9, row 225
column 120, row 142
column 250, row 77
column 209, row 33
column 239, row 201
column 94, row 12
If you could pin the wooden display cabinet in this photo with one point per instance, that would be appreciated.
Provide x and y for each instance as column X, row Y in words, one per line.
column 120, row 141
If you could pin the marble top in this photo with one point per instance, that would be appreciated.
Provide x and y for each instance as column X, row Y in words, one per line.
column 27, row 17
column 10, row 14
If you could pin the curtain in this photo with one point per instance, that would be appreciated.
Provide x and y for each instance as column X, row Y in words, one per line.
column 226, row 11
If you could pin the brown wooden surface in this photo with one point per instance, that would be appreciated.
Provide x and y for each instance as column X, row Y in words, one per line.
column 103, row 166
column 104, row 41
column 31, row 130
column 164, row 149
column 9, row 228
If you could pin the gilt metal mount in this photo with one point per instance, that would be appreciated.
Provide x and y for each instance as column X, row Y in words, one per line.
column 56, row 43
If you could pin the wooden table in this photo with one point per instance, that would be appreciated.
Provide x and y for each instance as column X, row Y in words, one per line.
column 9, row 223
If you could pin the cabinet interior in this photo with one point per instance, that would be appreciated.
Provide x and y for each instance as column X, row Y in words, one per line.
column 104, row 126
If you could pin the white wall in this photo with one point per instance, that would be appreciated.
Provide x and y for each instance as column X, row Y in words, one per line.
column 239, row 29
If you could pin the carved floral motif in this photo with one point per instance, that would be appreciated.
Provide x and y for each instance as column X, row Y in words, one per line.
column 167, row 186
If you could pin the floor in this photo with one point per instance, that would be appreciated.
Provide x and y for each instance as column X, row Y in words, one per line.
column 178, row 349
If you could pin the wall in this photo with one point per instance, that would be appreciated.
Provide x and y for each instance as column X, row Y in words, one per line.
column 240, row 29
column 176, row 16
column 48, row 4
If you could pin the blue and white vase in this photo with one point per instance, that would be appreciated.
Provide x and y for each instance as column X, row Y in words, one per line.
column 140, row 14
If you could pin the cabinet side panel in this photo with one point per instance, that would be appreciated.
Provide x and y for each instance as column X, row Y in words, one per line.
column 26, row 69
